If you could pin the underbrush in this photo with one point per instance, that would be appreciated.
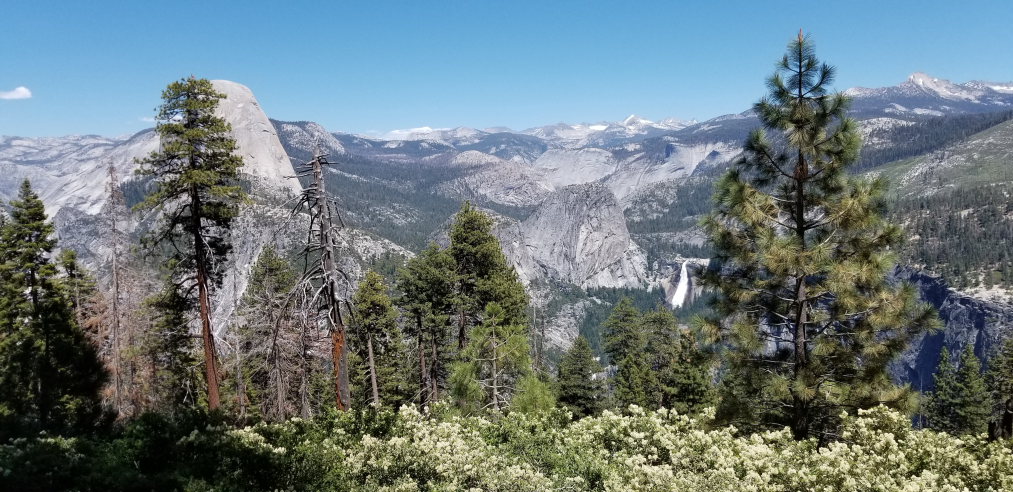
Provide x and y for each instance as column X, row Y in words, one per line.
column 409, row 451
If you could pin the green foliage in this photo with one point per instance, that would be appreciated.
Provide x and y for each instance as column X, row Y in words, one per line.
column 600, row 308
column 427, row 284
column 196, row 195
column 533, row 395
column 483, row 274
column 579, row 392
column 804, row 252
column 999, row 379
column 52, row 376
column 370, row 451
column 271, row 346
column 683, row 370
column 196, row 177
column 624, row 334
column 941, row 407
column 636, row 383
column 171, row 352
column 379, row 346
column 496, row 358
column 955, row 232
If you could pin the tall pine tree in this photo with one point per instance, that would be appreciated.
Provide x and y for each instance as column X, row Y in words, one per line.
column 52, row 375
column 803, row 254
column 427, row 284
column 623, row 333
column 496, row 358
column 682, row 369
column 579, row 391
column 483, row 274
column 960, row 402
column 1000, row 387
column 196, row 190
column 377, row 341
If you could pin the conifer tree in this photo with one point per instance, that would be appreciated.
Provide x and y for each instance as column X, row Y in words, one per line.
column 427, row 284
column 975, row 408
column 52, row 375
column 196, row 175
column 960, row 402
column 579, row 391
column 169, row 349
column 940, row 407
column 636, row 383
column 377, row 340
column 1000, row 387
column 533, row 395
column 497, row 356
column 682, row 369
column 483, row 274
column 624, row 334
column 802, row 254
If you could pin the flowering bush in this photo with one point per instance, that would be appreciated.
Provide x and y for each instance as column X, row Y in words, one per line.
column 412, row 451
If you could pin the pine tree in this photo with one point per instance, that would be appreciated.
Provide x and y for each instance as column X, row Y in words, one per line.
column 636, row 383
column 377, row 340
column 941, row 405
column 1000, row 387
column 623, row 333
column 533, row 395
column 427, row 284
column 960, row 402
column 169, row 350
column 196, row 174
column 803, row 253
column 52, row 375
column 483, row 274
column 579, row 391
column 975, row 408
column 683, row 371
column 497, row 356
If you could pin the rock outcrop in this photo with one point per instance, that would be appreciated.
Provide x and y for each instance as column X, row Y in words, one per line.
column 966, row 321
column 578, row 235
column 263, row 156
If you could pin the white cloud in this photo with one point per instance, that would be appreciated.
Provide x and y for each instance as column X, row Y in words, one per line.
column 146, row 119
column 20, row 92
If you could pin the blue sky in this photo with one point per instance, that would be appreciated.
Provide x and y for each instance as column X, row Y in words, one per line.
column 99, row 67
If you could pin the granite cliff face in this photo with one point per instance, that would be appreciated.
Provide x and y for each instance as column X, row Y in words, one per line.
column 578, row 235
column 967, row 321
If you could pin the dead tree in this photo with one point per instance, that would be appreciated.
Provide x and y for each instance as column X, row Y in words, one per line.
column 114, row 212
column 321, row 276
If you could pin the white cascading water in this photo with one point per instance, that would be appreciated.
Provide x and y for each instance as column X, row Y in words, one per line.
column 682, row 289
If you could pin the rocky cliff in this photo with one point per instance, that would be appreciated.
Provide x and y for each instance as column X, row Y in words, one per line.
column 578, row 235
column 967, row 321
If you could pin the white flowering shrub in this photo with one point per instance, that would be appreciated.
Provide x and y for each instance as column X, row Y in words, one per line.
column 410, row 451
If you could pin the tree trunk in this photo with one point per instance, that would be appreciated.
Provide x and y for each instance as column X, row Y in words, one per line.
column 207, row 334
column 495, row 370
column 423, row 374
column 117, row 361
column 800, row 404
column 434, row 379
column 372, row 371
column 462, row 334
column 340, row 368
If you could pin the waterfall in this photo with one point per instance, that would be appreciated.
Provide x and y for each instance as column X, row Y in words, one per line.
column 681, row 290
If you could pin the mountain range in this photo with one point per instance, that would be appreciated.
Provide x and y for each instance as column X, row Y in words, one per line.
column 578, row 207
